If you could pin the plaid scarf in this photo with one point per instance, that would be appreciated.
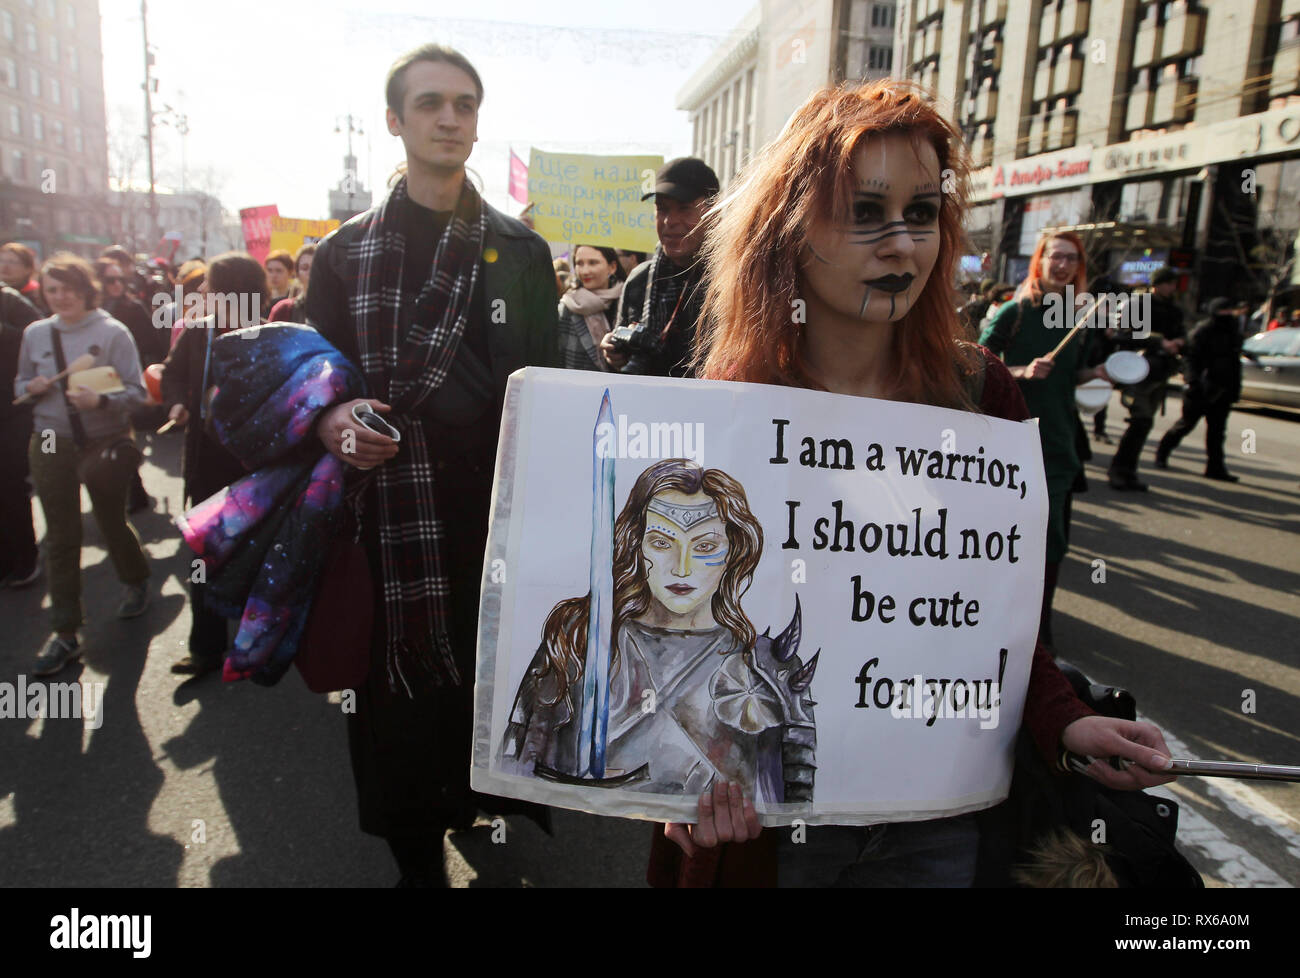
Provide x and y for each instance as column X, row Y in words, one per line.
column 403, row 372
column 665, row 283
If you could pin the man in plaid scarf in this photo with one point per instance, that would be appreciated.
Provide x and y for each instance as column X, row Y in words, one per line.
column 437, row 297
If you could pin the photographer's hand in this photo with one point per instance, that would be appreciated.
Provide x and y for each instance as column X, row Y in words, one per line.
column 612, row 357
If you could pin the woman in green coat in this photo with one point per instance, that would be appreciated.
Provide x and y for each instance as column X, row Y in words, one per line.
column 1023, row 332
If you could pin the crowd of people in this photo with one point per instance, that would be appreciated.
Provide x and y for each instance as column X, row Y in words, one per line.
column 406, row 294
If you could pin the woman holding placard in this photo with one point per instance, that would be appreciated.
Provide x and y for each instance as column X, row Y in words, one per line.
column 829, row 268
column 82, row 369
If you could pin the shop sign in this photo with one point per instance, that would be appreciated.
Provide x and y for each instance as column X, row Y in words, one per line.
column 1034, row 174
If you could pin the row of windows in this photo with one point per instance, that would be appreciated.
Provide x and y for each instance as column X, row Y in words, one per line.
column 32, row 41
column 51, row 11
column 56, row 127
column 882, row 15
column 55, row 176
column 54, row 89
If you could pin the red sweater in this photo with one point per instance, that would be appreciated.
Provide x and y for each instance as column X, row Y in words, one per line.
column 1050, row 707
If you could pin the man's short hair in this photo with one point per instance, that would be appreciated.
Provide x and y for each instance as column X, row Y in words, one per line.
column 1163, row 275
column 76, row 273
column 395, row 87
column 283, row 257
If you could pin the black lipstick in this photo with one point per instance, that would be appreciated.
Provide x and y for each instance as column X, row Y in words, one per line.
column 891, row 283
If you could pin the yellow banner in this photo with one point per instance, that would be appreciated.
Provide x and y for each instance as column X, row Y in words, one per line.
column 291, row 233
column 595, row 200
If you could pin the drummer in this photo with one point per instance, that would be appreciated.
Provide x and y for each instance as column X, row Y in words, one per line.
column 1160, row 346
column 1018, row 334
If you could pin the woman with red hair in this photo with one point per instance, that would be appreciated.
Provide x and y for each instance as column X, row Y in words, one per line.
column 1019, row 334
column 830, row 268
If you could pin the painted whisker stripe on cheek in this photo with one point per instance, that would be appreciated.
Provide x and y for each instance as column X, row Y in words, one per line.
column 865, row 299
column 878, row 238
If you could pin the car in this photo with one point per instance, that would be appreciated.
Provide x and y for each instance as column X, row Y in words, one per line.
column 1270, row 367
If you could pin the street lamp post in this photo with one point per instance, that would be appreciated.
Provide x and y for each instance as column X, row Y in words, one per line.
column 148, row 118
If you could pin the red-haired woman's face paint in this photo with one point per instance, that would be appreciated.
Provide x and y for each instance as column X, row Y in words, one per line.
column 874, row 267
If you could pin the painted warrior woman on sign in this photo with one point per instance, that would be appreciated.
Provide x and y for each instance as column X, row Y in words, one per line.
column 691, row 694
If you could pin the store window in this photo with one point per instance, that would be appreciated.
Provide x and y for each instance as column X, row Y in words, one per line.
column 1053, row 210
column 1161, row 201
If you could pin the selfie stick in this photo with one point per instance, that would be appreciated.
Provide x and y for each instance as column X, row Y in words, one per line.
column 1202, row 769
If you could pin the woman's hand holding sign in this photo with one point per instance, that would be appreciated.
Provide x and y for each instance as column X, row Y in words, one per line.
column 726, row 815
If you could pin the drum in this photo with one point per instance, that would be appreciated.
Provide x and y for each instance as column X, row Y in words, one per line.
column 1092, row 396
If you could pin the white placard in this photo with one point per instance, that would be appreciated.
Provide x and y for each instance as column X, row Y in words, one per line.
column 910, row 538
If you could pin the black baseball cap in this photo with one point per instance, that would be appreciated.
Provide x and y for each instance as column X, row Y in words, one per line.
column 686, row 178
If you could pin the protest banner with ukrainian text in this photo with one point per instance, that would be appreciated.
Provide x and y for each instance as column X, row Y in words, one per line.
column 595, row 200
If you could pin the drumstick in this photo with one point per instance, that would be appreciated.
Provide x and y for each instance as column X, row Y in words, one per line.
column 1070, row 335
column 83, row 362
column 166, row 427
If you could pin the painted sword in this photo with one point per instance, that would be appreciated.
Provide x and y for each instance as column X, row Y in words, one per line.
column 600, row 620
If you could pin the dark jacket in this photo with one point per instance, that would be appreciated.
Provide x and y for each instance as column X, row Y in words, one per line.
column 151, row 343
column 206, row 466
column 15, row 315
column 519, row 287
column 678, row 345
column 1213, row 367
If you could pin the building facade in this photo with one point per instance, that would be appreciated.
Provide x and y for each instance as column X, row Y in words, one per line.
column 53, row 141
column 783, row 49
column 1167, row 131
column 195, row 220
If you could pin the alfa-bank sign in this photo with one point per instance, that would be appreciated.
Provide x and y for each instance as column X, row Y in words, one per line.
column 1034, row 174
column 1262, row 134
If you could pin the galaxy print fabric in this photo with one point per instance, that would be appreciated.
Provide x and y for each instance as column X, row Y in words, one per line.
column 271, row 383
column 261, row 538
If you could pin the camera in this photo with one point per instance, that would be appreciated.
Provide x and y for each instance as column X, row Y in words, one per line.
column 640, row 344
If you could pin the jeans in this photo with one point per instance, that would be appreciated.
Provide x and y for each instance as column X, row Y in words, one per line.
column 54, row 474
column 937, row 853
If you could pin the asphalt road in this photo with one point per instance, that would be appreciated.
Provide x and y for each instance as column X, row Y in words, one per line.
column 206, row 784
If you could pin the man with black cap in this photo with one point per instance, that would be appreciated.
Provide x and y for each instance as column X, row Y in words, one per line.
column 655, row 327
column 1161, row 346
